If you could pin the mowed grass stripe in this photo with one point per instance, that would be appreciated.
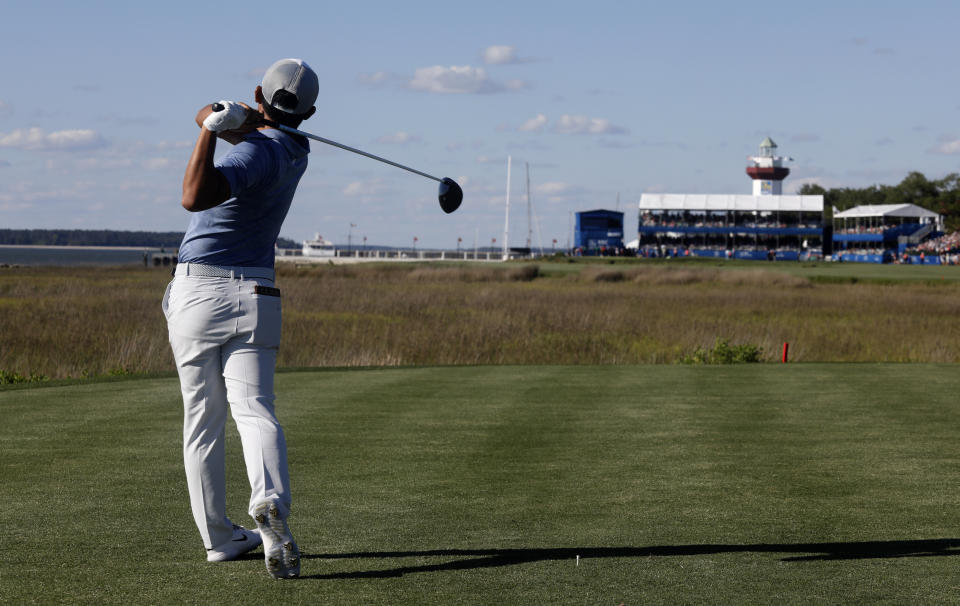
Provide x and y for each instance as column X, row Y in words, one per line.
column 674, row 484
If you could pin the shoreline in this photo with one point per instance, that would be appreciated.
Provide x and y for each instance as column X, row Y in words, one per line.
column 79, row 247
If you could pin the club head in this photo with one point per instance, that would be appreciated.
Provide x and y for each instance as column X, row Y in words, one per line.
column 450, row 195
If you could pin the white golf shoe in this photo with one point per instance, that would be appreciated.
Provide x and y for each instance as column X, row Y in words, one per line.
column 243, row 541
column 279, row 549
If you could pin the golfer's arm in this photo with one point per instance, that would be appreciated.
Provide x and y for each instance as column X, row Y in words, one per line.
column 203, row 185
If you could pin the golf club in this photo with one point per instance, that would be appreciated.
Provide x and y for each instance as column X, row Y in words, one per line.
column 450, row 194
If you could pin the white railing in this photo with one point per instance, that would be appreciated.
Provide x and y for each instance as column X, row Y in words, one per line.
column 349, row 256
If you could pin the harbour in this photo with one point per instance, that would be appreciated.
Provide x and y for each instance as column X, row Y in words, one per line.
column 49, row 255
column 81, row 255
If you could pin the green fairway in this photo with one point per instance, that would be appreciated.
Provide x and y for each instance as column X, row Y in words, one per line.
column 761, row 483
column 867, row 272
column 822, row 271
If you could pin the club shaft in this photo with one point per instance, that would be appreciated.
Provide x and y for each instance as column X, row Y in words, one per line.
column 352, row 149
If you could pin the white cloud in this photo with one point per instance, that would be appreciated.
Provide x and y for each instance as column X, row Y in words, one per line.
column 376, row 78
column 534, row 125
column 500, row 55
column 556, row 188
column 156, row 163
column 103, row 162
column 398, row 138
column 503, row 54
column 356, row 188
column 949, row 147
column 456, row 79
column 370, row 187
column 561, row 192
column 452, row 80
column 168, row 145
column 583, row 125
column 29, row 192
column 36, row 139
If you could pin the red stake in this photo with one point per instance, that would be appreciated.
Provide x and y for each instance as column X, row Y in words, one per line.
column 786, row 346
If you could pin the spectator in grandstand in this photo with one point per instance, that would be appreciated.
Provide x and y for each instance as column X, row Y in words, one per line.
column 947, row 243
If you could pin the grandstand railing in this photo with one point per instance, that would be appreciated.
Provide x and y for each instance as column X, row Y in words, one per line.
column 917, row 236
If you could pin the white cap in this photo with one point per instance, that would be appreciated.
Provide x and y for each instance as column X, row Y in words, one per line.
column 290, row 86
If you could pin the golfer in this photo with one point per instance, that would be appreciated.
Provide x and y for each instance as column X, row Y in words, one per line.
column 223, row 310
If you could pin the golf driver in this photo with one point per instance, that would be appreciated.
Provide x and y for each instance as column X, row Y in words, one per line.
column 450, row 193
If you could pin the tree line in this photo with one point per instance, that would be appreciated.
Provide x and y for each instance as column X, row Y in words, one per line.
column 101, row 237
column 941, row 196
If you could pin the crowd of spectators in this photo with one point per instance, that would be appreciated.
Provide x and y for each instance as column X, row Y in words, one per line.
column 948, row 243
column 674, row 251
column 861, row 251
column 687, row 219
column 604, row 251
column 860, row 229
column 947, row 247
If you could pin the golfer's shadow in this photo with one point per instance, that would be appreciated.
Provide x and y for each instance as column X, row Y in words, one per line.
column 466, row 559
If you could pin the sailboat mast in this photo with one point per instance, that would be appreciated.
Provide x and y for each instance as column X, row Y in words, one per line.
column 529, row 211
column 506, row 221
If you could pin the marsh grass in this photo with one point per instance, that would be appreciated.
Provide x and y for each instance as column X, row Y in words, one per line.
column 77, row 322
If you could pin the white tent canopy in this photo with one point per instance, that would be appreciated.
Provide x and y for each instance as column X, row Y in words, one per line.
column 887, row 210
column 724, row 202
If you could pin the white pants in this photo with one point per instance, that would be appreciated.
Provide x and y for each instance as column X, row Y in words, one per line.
column 224, row 337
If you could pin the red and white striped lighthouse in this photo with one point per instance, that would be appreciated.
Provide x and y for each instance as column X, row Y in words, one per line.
column 767, row 170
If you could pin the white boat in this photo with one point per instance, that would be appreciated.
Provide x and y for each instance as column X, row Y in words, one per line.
column 318, row 247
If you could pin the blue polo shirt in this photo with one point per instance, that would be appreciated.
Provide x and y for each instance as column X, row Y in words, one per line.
column 263, row 171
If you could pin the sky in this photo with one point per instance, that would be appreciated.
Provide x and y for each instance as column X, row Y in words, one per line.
column 598, row 101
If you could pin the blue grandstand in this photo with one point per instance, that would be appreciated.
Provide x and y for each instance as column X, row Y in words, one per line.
column 765, row 227
column 883, row 233
column 599, row 232
column 782, row 227
column 772, row 226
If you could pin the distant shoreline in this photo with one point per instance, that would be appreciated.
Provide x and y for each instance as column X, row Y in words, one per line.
column 77, row 247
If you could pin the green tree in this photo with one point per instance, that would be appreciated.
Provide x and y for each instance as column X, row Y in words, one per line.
column 941, row 196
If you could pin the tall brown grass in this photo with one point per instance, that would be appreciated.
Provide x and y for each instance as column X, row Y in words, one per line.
column 63, row 322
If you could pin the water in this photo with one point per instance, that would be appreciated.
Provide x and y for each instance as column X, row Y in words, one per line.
column 75, row 255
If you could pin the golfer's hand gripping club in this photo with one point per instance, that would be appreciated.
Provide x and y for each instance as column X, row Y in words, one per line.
column 226, row 115
column 450, row 194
